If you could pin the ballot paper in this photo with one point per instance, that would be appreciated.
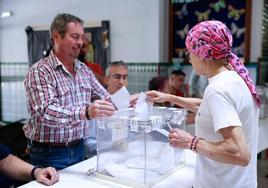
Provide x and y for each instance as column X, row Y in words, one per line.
column 121, row 98
column 143, row 108
column 162, row 131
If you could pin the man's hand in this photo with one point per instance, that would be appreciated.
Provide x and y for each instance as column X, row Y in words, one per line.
column 100, row 108
column 47, row 176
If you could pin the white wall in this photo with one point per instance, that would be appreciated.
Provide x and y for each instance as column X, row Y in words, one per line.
column 134, row 25
column 256, row 30
column 139, row 28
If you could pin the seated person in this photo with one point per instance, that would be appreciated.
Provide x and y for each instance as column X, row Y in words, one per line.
column 162, row 84
column 158, row 83
column 176, row 85
column 84, row 57
column 116, row 76
column 18, row 169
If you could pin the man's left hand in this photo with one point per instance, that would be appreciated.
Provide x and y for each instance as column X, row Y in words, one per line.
column 47, row 176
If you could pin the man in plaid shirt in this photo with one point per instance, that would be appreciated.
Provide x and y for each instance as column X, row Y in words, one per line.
column 63, row 95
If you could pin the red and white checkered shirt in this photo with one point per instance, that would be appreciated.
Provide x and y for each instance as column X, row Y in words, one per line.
column 57, row 100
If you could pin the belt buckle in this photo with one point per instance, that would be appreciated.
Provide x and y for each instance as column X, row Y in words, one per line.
column 72, row 143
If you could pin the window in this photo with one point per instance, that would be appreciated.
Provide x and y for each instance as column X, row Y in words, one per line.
column 265, row 30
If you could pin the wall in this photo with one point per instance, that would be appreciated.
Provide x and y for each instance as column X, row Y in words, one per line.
column 139, row 33
column 135, row 25
column 256, row 30
column 138, row 27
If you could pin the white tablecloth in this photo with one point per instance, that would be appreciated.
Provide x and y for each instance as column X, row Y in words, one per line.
column 76, row 176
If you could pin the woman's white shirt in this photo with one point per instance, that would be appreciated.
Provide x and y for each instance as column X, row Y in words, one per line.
column 227, row 102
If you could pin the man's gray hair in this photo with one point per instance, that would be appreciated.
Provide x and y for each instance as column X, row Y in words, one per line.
column 115, row 64
column 60, row 22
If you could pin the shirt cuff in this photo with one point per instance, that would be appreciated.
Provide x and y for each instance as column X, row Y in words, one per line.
column 80, row 113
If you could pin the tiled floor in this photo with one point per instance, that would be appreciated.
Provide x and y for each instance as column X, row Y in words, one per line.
column 262, row 169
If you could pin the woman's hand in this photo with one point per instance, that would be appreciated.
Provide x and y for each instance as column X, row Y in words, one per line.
column 180, row 139
column 156, row 96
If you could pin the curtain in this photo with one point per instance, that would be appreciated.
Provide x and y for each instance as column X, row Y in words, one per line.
column 38, row 43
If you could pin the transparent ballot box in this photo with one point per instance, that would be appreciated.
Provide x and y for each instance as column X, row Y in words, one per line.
column 136, row 152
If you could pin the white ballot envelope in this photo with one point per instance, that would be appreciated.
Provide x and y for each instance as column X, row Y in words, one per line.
column 121, row 98
column 143, row 108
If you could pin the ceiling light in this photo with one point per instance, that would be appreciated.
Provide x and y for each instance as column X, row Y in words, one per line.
column 6, row 14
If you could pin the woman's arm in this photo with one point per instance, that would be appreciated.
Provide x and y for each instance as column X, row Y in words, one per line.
column 233, row 149
column 191, row 104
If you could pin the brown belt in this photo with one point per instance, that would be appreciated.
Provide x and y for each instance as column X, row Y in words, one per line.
column 69, row 144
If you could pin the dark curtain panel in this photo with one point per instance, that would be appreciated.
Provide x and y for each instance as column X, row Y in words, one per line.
column 38, row 43
column 106, row 43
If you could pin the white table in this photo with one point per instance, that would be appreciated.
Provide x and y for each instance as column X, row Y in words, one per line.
column 76, row 176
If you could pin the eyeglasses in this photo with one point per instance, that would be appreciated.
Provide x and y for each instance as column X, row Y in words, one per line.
column 120, row 76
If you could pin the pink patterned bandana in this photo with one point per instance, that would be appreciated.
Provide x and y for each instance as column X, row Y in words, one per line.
column 213, row 40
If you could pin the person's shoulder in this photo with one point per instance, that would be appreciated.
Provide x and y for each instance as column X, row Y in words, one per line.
column 42, row 67
column 227, row 84
column 43, row 64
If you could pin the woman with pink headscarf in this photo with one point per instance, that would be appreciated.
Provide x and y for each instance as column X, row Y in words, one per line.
column 227, row 116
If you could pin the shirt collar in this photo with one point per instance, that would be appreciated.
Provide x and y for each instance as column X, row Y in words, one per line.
column 57, row 63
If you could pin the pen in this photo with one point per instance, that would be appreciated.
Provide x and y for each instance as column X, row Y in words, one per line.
column 169, row 126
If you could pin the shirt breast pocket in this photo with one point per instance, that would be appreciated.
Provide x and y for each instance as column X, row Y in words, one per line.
column 65, row 95
column 84, row 93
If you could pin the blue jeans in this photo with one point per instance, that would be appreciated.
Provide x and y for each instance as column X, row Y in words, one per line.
column 90, row 142
column 90, row 147
column 58, row 157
